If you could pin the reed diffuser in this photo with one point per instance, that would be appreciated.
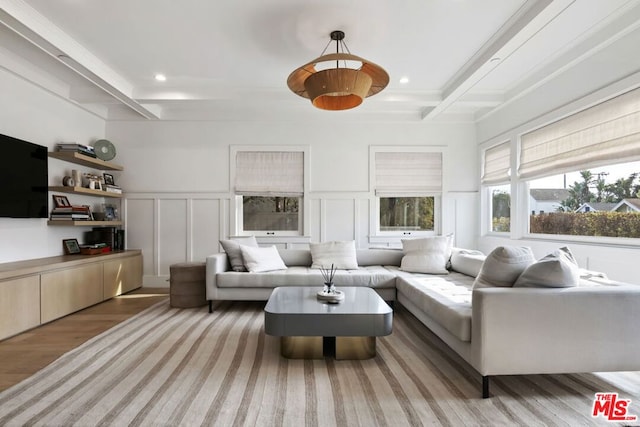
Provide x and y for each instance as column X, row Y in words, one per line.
column 327, row 275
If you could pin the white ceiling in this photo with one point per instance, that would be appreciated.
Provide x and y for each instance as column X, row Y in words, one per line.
column 229, row 60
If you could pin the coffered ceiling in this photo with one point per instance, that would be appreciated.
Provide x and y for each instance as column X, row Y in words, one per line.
column 229, row 60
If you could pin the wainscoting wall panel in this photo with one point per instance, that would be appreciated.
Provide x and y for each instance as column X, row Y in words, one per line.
column 183, row 227
column 140, row 223
column 172, row 238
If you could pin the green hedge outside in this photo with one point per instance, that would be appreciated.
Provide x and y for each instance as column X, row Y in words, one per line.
column 606, row 224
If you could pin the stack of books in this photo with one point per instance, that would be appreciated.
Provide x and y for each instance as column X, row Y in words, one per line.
column 72, row 147
column 71, row 213
column 112, row 189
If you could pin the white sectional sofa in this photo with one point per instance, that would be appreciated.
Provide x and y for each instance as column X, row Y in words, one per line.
column 497, row 330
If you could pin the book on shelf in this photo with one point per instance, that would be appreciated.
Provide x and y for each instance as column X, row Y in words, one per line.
column 70, row 217
column 87, row 150
column 74, row 212
column 112, row 189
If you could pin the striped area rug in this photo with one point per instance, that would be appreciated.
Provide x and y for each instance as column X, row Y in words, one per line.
column 187, row 367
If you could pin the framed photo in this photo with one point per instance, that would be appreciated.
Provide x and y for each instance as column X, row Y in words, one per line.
column 110, row 213
column 71, row 246
column 108, row 179
column 60, row 201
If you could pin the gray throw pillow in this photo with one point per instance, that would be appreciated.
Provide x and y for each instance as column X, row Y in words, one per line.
column 559, row 269
column 232, row 248
column 503, row 266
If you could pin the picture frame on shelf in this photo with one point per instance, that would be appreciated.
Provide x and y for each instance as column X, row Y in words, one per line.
column 60, row 201
column 71, row 246
column 110, row 212
column 108, row 179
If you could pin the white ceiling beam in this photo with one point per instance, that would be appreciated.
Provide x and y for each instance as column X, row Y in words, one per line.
column 31, row 25
column 627, row 20
column 530, row 19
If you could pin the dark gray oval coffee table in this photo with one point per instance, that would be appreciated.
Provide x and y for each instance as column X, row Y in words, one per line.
column 313, row 329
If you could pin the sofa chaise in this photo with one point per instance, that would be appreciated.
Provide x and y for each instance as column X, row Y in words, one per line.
column 497, row 330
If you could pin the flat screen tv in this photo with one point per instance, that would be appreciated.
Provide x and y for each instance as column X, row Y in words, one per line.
column 23, row 179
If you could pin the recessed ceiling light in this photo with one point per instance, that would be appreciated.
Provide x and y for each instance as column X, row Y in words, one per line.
column 160, row 77
column 404, row 80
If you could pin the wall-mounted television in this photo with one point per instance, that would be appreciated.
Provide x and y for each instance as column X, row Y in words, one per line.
column 23, row 179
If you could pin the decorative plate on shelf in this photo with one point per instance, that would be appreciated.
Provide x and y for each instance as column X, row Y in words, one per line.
column 104, row 149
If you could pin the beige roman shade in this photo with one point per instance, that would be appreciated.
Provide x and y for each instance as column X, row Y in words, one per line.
column 408, row 174
column 606, row 133
column 497, row 164
column 270, row 173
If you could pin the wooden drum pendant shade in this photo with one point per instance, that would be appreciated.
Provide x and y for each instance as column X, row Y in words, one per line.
column 338, row 88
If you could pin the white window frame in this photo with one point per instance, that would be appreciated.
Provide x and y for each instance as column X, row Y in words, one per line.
column 486, row 199
column 237, row 206
column 392, row 237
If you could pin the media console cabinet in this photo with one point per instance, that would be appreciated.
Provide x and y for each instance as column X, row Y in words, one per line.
column 37, row 291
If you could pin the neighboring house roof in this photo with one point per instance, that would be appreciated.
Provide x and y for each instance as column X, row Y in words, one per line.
column 549, row 194
column 597, row 207
column 633, row 204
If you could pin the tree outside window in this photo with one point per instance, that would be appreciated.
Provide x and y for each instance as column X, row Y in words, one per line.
column 261, row 213
column 407, row 213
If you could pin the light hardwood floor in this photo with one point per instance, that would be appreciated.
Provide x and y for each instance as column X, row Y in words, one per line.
column 23, row 355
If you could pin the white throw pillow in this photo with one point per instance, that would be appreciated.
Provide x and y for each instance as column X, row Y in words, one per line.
column 232, row 248
column 262, row 259
column 427, row 255
column 467, row 261
column 341, row 254
column 559, row 269
column 503, row 266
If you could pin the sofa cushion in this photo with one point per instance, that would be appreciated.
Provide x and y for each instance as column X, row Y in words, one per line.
column 503, row 266
column 446, row 299
column 296, row 257
column 373, row 276
column 340, row 254
column 559, row 269
column 426, row 255
column 467, row 261
column 232, row 248
column 258, row 260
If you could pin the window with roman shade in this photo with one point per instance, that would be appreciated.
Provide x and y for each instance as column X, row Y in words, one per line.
column 269, row 188
column 407, row 173
column 408, row 188
column 270, row 173
column 497, row 164
column 607, row 133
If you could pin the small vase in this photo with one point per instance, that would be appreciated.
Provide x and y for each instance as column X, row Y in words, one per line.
column 329, row 288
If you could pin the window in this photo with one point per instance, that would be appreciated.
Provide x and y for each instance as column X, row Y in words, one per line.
column 496, row 175
column 582, row 171
column 500, row 208
column 269, row 188
column 594, row 202
column 270, row 213
column 400, row 214
column 408, row 188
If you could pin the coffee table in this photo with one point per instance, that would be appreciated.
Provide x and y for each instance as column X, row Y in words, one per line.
column 313, row 329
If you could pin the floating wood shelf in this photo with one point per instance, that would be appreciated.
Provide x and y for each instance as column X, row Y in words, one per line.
column 81, row 159
column 85, row 191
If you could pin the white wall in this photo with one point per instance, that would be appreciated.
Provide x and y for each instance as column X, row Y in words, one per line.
column 178, row 191
column 29, row 113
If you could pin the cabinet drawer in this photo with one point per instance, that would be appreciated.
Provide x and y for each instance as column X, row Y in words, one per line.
column 19, row 305
column 65, row 291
